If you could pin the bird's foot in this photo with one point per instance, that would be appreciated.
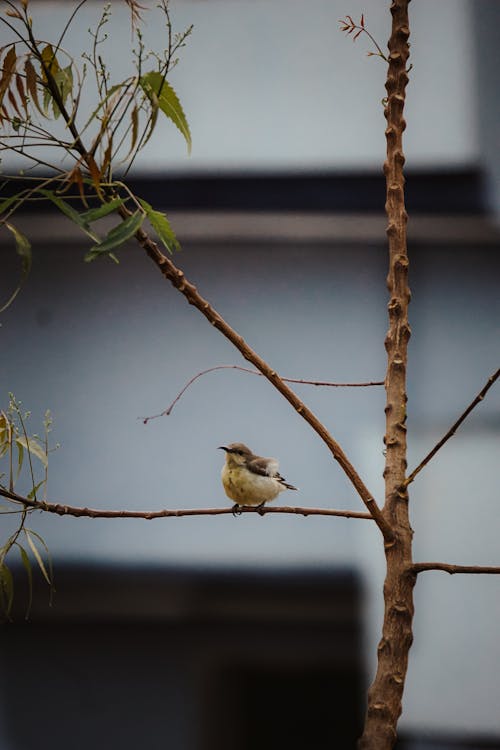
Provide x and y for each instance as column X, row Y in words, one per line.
column 237, row 510
column 260, row 509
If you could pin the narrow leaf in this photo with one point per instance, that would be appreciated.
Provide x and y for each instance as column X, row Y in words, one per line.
column 134, row 117
column 7, row 202
column 117, row 236
column 98, row 213
column 70, row 212
column 21, row 92
column 20, row 458
column 8, row 68
column 31, row 83
column 160, row 92
column 7, row 589
column 34, row 490
column 5, row 433
column 36, row 555
column 106, row 161
column 34, row 447
column 94, row 173
column 49, row 558
column 49, row 63
column 12, row 100
column 23, row 249
column 162, row 227
column 29, row 573
column 102, row 103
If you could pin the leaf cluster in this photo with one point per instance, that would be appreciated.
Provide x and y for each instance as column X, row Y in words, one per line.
column 18, row 452
column 39, row 82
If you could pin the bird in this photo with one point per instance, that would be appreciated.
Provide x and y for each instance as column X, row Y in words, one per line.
column 249, row 479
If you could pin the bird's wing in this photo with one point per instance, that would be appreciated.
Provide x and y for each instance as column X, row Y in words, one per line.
column 266, row 467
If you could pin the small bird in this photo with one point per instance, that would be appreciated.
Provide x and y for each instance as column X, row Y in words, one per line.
column 248, row 479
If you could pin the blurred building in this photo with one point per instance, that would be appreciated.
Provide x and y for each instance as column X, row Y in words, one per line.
column 207, row 629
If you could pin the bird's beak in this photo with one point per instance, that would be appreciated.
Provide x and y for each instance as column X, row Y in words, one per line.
column 222, row 448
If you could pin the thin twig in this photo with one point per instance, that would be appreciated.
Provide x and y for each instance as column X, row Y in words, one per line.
column 321, row 383
column 480, row 396
column 452, row 569
column 71, row 510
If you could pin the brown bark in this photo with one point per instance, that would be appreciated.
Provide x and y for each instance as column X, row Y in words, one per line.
column 385, row 694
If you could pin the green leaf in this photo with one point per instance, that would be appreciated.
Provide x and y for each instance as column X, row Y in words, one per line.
column 112, row 90
column 34, row 447
column 161, row 225
column 6, row 589
column 27, row 566
column 62, row 77
column 98, row 213
column 64, row 80
column 20, row 457
column 23, row 249
column 162, row 95
column 5, row 433
column 7, row 202
column 34, row 490
column 116, row 236
column 70, row 212
column 36, row 553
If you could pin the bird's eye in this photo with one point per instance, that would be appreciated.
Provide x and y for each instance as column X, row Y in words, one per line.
column 240, row 453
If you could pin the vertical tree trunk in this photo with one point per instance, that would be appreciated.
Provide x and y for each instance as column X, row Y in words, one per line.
column 385, row 694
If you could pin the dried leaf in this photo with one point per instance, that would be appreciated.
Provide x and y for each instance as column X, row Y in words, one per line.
column 107, row 156
column 8, row 68
column 49, row 63
column 21, row 92
column 12, row 100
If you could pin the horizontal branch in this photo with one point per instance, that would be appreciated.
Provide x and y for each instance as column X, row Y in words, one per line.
column 300, row 381
column 71, row 510
column 480, row 396
column 452, row 569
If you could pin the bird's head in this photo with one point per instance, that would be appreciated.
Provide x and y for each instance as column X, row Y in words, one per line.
column 236, row 453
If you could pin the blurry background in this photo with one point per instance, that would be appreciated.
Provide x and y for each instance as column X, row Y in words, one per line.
column 280, row 214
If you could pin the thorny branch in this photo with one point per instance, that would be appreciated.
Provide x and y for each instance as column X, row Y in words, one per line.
column 386, row 692
column 480, row 396
column 322, row 383
column 78, row 512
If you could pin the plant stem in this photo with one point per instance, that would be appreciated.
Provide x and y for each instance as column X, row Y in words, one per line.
column 385, row 695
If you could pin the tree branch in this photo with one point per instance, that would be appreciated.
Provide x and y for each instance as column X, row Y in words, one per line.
column 386, row 692
column 78, row 512
column 177, row 278
column 322, row 383
column 452, row 569
column 480, row 396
